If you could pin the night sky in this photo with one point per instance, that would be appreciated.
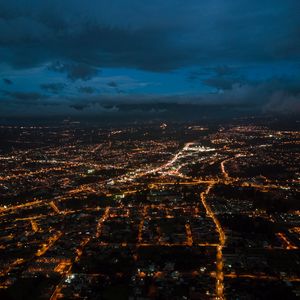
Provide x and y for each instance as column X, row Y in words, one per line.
column 126, row 57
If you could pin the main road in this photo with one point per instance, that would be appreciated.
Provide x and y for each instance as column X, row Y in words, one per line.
column 222, row 239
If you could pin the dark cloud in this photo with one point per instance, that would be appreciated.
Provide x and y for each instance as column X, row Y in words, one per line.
column 78, row 39
column 79, row 106
column 283, row 103
column 245, row 93
column 74, row 70
column 224, row 70
column 57, row 67
column 218, row 72
column 115, row 85
column 222, row 83
column 120, row 91
column 112, row 84
column 280, row 95
column 86, row 89
column 151, row 35
column 195, row 75
column 276, row 95
column 54, row 88
column 224, row 78
column 81, row 71
column 7, row 81
column 24, row 96
column 94, row 107
column 14, row 101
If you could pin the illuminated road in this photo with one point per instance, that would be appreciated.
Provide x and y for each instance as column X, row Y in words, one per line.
column 224, row 172
column 286, row 242
column 41, row 251
column 189, row 241
column 170, row 162
column 12, row 208
column 49, row 244
column 34, row 225
column 222, row 238
column 164, row 168
column 6, row 270
column 54, row 207
column 101, row 221
column 57, row 291
column 141, row 224
column 261, row 277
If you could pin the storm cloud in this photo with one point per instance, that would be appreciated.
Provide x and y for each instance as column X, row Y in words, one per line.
column 7, row 81
column 222, row 52
column 23, row 96
column 54, row 88
column 86, row 90
column 149, row 35
column 74, row 71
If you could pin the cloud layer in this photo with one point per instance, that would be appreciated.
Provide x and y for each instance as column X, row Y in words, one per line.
column 152, row 35
column 218, row 41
